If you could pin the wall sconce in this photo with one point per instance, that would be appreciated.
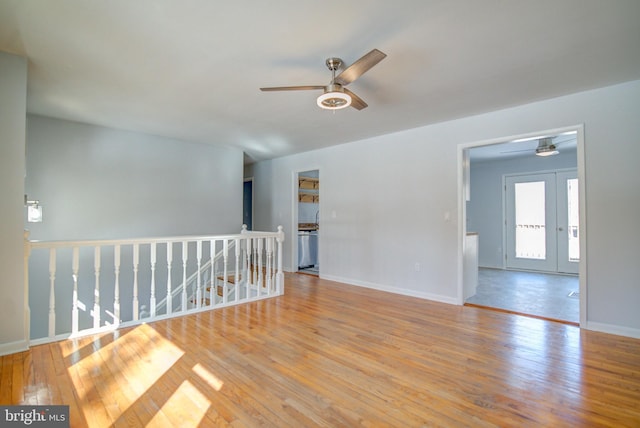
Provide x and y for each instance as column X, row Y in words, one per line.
column 34, row 210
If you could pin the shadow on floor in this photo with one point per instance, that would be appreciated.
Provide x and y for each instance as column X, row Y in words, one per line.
column 542, row 295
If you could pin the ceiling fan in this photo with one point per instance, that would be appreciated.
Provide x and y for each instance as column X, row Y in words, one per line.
column 335, row 96
column 546, row 145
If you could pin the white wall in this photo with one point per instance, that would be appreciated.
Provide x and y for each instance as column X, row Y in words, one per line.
column 100, row 183
column 391, row 194
column 13, row 101
column 485, row 214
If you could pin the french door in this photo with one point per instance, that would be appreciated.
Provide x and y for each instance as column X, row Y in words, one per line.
column 542, row 229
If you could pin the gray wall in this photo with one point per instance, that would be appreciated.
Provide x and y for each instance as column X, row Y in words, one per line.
column 13, row 100
column 485, row 212
column 100, row 183
column 386, row 200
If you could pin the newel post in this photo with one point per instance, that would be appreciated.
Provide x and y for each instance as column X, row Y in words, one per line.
column 27, row 309
column 280, row 274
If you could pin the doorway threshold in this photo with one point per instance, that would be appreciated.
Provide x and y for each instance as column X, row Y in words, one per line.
column 507, row 311
column 310, row 272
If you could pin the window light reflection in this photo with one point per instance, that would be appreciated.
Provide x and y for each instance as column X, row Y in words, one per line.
column 208, row 377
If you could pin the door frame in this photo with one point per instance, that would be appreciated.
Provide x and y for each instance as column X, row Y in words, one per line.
column 463, row 186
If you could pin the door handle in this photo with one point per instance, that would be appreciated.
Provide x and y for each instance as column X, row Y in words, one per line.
column 560, row 229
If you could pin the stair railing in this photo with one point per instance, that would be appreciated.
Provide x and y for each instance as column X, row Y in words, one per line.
column 196, row 285
column 85, row 287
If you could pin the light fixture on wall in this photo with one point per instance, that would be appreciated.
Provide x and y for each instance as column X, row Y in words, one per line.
column 546, row 147
column 34, row 210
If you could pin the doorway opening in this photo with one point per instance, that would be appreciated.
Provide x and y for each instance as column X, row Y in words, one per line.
column 308, row 221
column 526, row 213
column 247, row 203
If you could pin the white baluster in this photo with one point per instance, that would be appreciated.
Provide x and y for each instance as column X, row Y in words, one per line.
column 199, row 277
column 225, row 276
column 247, row 267
column 116, row 287
column 273, row 263
column 52, row 292
column 75, row 263
column 205, row 279
column 243, row 255
column 237, row 275
column 254, row 264
column 212, row 284
column 169, row 261
column 136, row 262
column 269, row 261
column 280, row 274
column 96, row 292
column 260, row 275
column 184, row 274
column 152, row 300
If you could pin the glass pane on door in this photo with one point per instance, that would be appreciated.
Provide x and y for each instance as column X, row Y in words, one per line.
column 530, row 220
column 573, row 220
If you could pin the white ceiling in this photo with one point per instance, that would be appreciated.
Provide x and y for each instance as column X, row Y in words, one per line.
column 191, row 69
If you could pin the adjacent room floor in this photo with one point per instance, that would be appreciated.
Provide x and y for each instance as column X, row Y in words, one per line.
column 539, row 294
column 311, row 270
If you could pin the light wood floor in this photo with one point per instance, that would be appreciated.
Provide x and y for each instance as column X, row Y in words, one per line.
column 328, row 354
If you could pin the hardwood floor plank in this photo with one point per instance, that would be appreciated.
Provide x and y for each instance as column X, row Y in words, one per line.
column 327, row 354
column 6, row 375
column 17, row 379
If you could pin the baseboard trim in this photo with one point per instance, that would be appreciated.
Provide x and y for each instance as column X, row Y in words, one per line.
column 613, row 329
column 395, row 290
column 14, row 347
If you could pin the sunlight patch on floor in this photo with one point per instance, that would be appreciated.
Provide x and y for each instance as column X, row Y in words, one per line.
column 208, row 377
column 125, row 369
column 187, row 406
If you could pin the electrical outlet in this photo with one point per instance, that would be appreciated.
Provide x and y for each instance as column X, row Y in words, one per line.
column 417, row 267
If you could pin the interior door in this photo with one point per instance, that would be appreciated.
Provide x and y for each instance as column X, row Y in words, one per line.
column 542, row 222
column 531, row 222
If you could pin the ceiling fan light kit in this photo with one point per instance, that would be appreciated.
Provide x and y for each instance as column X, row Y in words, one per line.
column 546, row 148
column 335, row 96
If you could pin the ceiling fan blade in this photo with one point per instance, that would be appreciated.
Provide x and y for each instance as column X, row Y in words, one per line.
column 356, row 102
column 293, row 88
column 361, row 66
